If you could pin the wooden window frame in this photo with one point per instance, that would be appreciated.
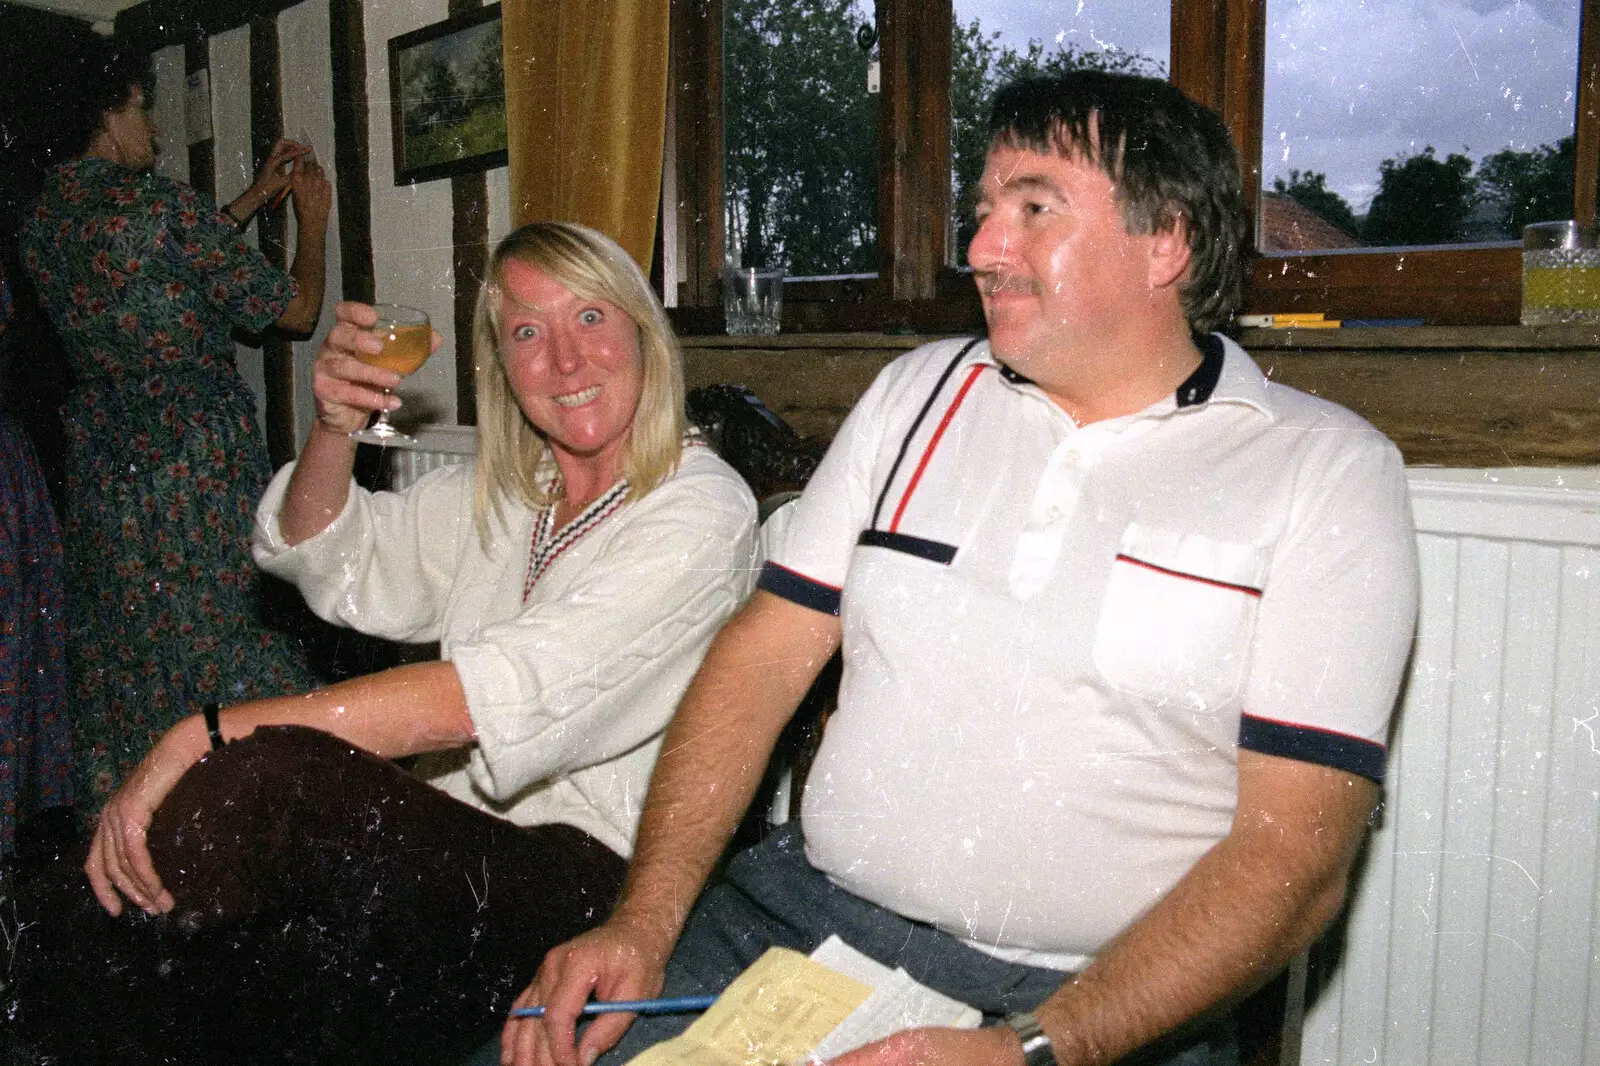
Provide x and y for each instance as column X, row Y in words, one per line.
column 1218, row 57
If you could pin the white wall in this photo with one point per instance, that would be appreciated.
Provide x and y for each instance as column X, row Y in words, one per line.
column 172, row 161
column 229, row 59
column 411, row 224
column 306, row 89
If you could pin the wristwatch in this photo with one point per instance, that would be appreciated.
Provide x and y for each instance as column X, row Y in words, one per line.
column 1036, row 1049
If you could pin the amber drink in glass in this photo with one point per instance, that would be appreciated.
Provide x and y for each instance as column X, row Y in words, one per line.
column 407, row 337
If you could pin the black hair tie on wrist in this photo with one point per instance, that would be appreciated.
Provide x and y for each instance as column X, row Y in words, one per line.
column 213, row 726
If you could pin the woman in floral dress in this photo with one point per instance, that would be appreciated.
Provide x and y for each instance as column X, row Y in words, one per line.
column 145, row 279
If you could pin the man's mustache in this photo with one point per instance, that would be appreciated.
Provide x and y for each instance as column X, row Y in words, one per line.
column 991, row 282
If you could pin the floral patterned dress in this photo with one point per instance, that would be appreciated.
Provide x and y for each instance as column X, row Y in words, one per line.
column 144, row 280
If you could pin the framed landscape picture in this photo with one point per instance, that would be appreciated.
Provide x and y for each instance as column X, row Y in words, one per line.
column 448, row 98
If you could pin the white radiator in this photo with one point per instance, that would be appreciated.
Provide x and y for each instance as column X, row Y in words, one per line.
column 1472, row 935
column 436, row 446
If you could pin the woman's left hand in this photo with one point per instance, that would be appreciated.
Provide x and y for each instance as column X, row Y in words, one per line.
column 119, row 861
column 346, row 389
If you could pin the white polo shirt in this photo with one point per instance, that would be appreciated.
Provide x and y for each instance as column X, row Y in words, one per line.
column 1055, row 637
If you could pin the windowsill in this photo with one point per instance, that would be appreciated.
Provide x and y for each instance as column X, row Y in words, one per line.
column 1454, row 338
column 1419, row 338
column 822, row 341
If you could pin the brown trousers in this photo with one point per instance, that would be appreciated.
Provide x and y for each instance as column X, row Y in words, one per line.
column 330, row 908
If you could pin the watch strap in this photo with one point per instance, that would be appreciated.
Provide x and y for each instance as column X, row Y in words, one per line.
column 1036, row 1049
column 213, row 725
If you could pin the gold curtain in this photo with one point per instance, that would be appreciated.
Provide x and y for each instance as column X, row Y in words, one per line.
column 586, row 102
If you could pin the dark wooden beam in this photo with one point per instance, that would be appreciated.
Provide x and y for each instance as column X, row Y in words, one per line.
column 158, row 23
column 1468, row 286
column 1586, row 130
column 347, row 50
column 697, row 149
column 266, row 126
column 1243, row 68
column 469, row 239
column 469, row 235
column 1198, row 29
column 914, row 47
column 1495, row 396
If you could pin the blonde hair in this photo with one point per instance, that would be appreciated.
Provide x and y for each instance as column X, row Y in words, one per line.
column 514, row 459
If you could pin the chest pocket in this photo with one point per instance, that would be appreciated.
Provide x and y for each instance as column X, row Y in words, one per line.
column 1179, row 616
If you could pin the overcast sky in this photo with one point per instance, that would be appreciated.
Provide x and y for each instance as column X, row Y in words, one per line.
column 1353, row 82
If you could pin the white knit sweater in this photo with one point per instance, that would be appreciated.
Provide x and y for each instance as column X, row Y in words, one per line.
column 569, row 691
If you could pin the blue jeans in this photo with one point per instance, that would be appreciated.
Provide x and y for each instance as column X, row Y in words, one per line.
column 772, row 897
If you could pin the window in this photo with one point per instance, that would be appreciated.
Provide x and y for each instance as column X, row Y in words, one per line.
column 1392, row 123
column 1467, row 283
column 800, row 132
column 1246, row 58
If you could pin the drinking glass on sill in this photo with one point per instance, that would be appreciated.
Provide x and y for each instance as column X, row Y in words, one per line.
column 1560, row 273
column 407, row 337
column 752, row 299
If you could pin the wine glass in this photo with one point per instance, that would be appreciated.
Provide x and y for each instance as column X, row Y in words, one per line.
column 407, row 337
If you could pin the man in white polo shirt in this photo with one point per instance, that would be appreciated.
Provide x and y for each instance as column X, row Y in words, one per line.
column 1122, row 622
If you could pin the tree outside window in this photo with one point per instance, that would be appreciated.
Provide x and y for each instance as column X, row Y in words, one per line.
column 801, row 179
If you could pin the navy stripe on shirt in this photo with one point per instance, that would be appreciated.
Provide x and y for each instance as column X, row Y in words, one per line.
column 932, row 550
column 797, row 588
column 1337, row 750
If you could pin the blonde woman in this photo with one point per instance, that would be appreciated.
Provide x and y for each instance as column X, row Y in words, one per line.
column 574, row 578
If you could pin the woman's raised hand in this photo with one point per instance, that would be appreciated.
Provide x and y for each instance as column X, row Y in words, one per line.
column 274, row 173
column 348, row 390
column 313, row 195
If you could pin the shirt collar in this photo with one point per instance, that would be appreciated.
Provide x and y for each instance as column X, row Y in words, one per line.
column 1198, row 387
column 1240, row 380
column 1226, row 374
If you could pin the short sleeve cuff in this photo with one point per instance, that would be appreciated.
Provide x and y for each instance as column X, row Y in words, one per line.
column 1340, row 751
column 797, row 588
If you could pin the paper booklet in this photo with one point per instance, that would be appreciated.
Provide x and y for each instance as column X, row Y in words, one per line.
column 791, row 1008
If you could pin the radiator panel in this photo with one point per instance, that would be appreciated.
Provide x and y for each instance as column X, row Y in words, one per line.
column 1471, row 934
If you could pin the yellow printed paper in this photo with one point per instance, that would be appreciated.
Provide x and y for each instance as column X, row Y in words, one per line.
column 773, row 1014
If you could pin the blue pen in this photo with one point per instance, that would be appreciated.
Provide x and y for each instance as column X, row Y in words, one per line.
column 670, row 1005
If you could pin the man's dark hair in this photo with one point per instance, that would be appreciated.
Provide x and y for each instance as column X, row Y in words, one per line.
column 76, row 86
column 1167, row 157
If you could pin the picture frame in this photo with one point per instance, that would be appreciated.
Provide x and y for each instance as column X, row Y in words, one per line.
column 447, row 101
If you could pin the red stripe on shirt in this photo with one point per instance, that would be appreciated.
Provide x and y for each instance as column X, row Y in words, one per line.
column 933, row 443
column 1246, row 589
